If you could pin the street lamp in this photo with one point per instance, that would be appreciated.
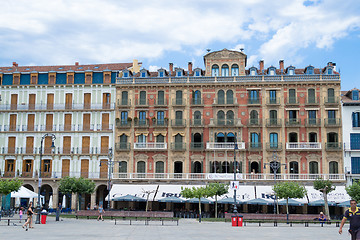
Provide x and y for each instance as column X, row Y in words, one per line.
column 274, row 165
column 110, row 165
column 235, row 147
column 39, row 180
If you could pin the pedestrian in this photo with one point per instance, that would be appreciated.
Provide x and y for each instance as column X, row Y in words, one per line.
column 28, row 223
column 101, row 211
column 20, row 214
column 88, row 206
column 353, row 214
column 322, row 217
column 58, row 211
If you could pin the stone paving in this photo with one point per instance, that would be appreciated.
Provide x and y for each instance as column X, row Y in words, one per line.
column 187, row 229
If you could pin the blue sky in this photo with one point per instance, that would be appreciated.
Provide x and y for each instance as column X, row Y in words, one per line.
column 157, row 32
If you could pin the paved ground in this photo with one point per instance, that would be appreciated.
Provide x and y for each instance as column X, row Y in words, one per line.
column 187, row 229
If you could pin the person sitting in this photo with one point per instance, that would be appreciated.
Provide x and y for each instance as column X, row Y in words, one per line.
column 322, row 217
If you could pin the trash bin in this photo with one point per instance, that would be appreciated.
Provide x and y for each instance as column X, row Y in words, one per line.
column 234, row 221
column 43, row 217
column 240, row 221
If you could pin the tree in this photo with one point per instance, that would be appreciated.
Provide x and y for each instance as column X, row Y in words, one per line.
column 324, row 186
column 76, row 185
column 354, row 191
column 217, row 189
column 9, row 185
column 196, row 192
column 286, row 190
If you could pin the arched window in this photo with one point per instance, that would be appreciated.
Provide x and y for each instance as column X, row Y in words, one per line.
column 123, row 167
column 294, row 167
column 255, row 143
column 197, row 97
column 221, row 97
column 273, row 140
column 197, row 118
column 225, row 167
column 141, row 141
column 123, row 141
column 255, row 167
column 197, row 141
column 230, row 118
column 273, row 117
column 254, row 117
column 230, row 137
column 196, row 167
column 234, row 70
column 312, row 137
column 229, row 97
column 215, row 70
column 225, row 70
column 221, row 117
column 313, row 167
column 178, row 141
column 293, row 137
column 215, row 167
column 178, row 118
column 220, row 137
column 333, row 167
column 178, row 166
column 142, row 98
column 140, row 168
column 159, row 167
column 124, row 98
column 332, row 140
column 160, row 138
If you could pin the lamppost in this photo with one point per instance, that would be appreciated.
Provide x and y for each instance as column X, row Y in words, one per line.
column 110, row 165
column 274, row 165
column 39, row 180
column 235, row 165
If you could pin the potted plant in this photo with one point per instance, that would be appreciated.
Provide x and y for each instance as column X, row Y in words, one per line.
column 129, row 119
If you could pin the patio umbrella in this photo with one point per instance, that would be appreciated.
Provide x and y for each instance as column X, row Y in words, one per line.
column 63, row 205
column 129, row 198
column 202, row 200
column 346, row 204
column 319, row 203
column 172, row 200
column 229, row 201
column 51, row 202
column 17, row 202
column 259, row 201
column 291, row 202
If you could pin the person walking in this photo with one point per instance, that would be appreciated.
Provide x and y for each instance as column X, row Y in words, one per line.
column 20, row 213
column 353, row 214
column 58, row 211
column 28, row 223
column 101, row 211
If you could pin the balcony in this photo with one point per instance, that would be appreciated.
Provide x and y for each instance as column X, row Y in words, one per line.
column 197, row 146
column 332, row 122
column 303, row 146
column 255, row 122
column 333, row 146
column 178, row 146
column 224, row 146
column 216, row 122
column 141, row 123
column 312, row 122
column 312, row 101
column 273, row 146
column 292, row 101
column 122, row 123
column 331, row 101
column 273, row 101
column 122, row 146
column 197, row 102
column 273, row 122
column 142, row 103
column 253, row 101
column 124, row 103
column 104, row 127
column 179, row 102
column 58, row 106
column 150, row 146
column 293, row 122
column 161, row 102
column 225, row 102
column 197, row 123
column 159, row 122
column 254, row 146
column 178, row 123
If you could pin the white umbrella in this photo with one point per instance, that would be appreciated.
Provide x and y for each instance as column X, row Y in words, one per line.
column 51, row 202
column 64, row 202
column 17, row 202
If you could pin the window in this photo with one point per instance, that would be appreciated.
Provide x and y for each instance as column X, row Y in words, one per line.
column 331, row 95
column 220, row 137
column 123, row 141
column 123, row 167
column 312, row 117
column 161, row 74
column 215, row 70
column 252, row 71
column 234, row 70
column 230, row 118
column 142, row 118
column 178, row 73
column 255, row 140
column 310, row 70
column 356, row 119
column 293, row 137
column 294, row 167
column 292, row 96
column 161, row 100
column 312, row 137
column 230, row 137
column 125, row 75
column 254, row 97
column 272, row 94
column 141, row 167
column 124, row 98
column 221, row 97
column 291, row 71
column 142, row 98
column 329, row 71
column 273, row 140
column 333, row 167
column 221, row 117
column 159, row 167
column 47, row 166
column 143, row 74
column 197, row 73
column 178, row 118
column 355, row 95
column 331, row 117
column 178, row 141
column 273, row 117
column 197, row 118
column 355, row 165
column 225, row 70
column 124, row 118
column 355, row 141
column 197, row 97
column 179, row 97
column 272, row 71
column 311, row 95
column 292, row 115
column 229, row 97
column 160, row 138
column 254, row 117
column 313, row 167
column 160, row 118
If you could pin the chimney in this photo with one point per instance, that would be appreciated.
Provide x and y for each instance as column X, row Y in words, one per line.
column 15, row 64
column 171, row 65
column 190, row 68
column 281, row 63
column 76, row 63
column 261, row 63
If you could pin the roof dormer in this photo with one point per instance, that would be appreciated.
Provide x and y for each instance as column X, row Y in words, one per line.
column 271, row 71
column 126, row 73
column 144, row 73
column 253, row 71
column 290, row 70
column 197, row 72
column 179, row 72
column 309, row 70
column 162, row 72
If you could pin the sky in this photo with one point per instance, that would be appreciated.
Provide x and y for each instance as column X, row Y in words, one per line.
column 157, row 32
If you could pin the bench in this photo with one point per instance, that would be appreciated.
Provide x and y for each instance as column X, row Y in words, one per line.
column 118, row 214
column 148, row 219
column 8, row 220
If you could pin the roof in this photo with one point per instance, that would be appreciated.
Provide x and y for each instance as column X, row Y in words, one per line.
column 346, row 97
column 62, row 68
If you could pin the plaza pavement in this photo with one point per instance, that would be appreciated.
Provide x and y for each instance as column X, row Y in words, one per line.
column 187, row 229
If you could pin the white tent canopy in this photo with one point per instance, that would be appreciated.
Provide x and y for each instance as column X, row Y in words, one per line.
column 23, row 192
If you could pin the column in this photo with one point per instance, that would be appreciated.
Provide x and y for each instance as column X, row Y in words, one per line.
column 55, row 199
column 73, row 201
column 92, row 200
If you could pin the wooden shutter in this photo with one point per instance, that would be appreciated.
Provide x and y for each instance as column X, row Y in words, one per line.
column 50, row 101
column 107, row 78
column 47, row 145
column 49, row 122
column 85, row 168
column 66, row 145
column 29, row 145
column 65, row 171
column 86, row 121
column 103, row 170
column 106, row 100
column 67, row 125
column 27, row 168
column 14, row 99
column 52, row 78
column 46, row 168
column 87, row 100
column 33, row 79
column 12, row 124
column 70, row 78
column 9, row 168
column 105, row 121
column 104, row 144
column 85, row 145
column 32, row 98
column 88, row 78
column 31, row 122
column 68, row 100
column 11, row 144
column 16, row 79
